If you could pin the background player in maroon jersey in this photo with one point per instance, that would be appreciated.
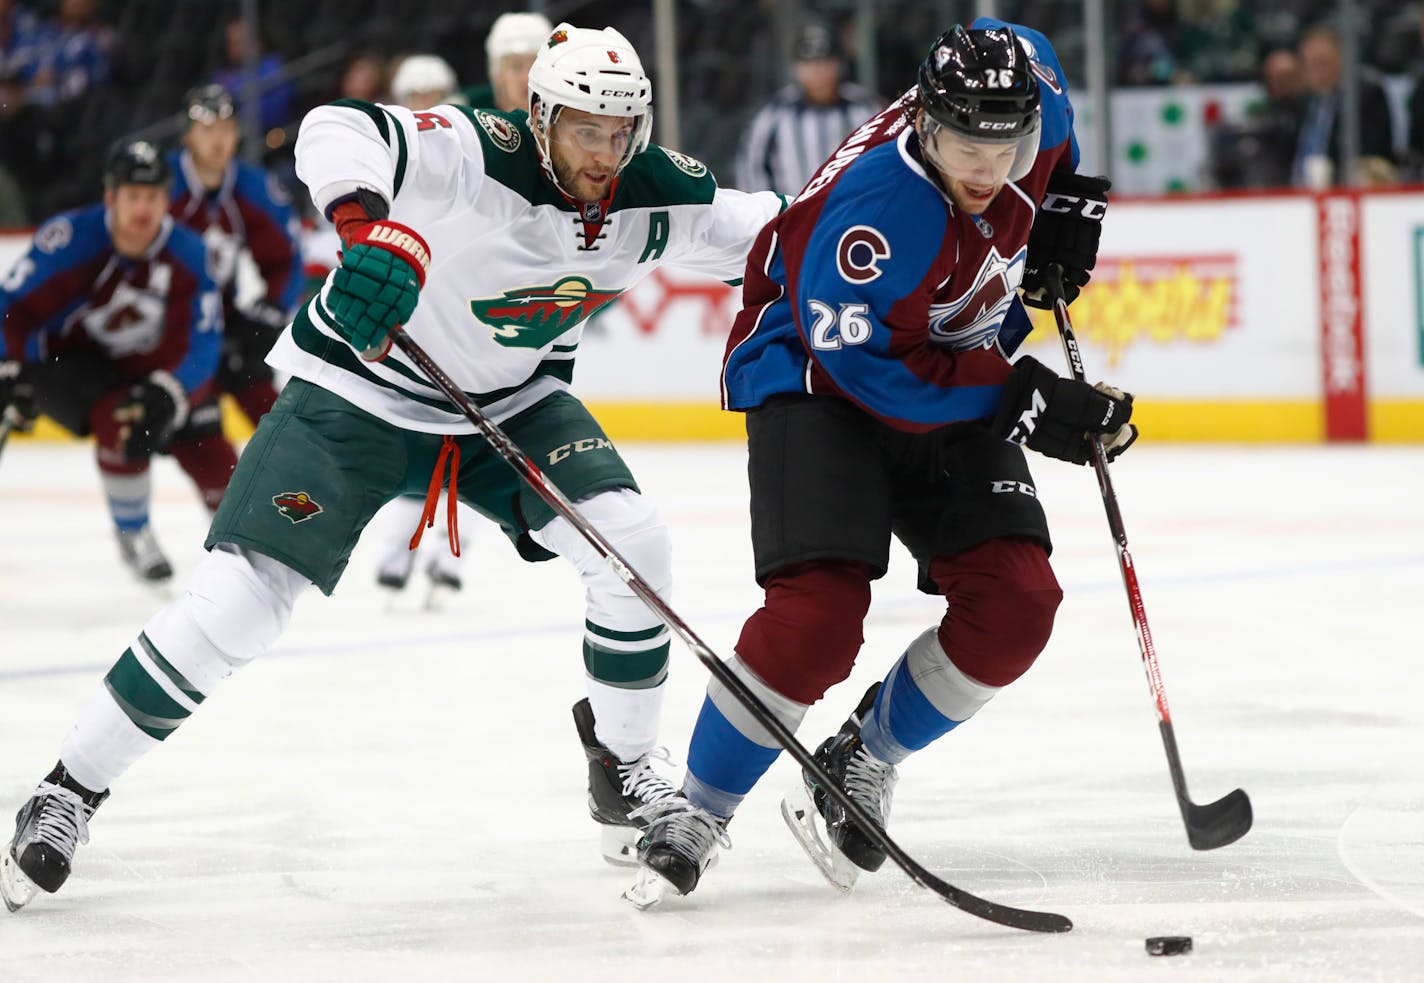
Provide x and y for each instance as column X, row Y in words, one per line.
column 112, row 328
column 236, row 206
column 871, row 358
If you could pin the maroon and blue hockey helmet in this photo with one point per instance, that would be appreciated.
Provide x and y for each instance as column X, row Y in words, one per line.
column 135, row 162
column 978, row 84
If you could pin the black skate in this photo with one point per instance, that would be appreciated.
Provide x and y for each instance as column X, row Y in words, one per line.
column 139, row 550
column 617, row 789
column 48, row 828
column 681, row 842
column 837, row 845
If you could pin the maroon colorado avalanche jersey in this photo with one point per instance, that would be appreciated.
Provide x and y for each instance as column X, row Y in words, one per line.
column 72, row 292
column 873, row 286
column 250, row 210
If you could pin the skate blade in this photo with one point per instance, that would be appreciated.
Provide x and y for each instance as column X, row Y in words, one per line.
column 16, row 889
column 648, row 890
column 620, row 845
column 810, row 831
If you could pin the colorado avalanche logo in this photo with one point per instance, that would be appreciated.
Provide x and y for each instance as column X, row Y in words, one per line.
column 297, row 506
column 859, row 252
column 972, row 319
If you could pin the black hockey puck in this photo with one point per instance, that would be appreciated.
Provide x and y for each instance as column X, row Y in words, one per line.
column 1169, row 945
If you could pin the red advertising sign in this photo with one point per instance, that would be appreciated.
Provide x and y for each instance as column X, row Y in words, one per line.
column 1342, row 318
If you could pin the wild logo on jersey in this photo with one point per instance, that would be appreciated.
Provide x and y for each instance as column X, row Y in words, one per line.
column 972, row 319
column 534, row 316
column 297, row 506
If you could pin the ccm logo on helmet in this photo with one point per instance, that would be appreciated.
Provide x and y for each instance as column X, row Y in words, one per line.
column 618, row 93
column 858, row 252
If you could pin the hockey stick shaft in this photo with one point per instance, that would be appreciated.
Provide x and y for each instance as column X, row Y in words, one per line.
column 1229, row 818
column 1036, row 921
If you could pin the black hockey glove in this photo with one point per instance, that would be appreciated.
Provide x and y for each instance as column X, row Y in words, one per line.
column 1065, row 231
column 1057, row 416
column 153, row 411
column 264, row 316
column 17, row 395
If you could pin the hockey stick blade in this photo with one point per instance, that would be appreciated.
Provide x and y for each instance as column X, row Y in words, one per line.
column 528, row 471
column 1217, row 823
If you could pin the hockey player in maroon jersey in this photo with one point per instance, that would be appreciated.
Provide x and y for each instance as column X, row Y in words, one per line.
column 237, row 206
column 112, row 327
column 872, row 360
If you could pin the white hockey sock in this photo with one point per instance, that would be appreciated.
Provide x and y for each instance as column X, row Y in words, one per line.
column 626, row 720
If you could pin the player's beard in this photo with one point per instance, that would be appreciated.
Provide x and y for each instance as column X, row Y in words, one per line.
column 573, row 182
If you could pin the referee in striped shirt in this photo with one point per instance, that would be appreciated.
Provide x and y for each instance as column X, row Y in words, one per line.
column 793, row 134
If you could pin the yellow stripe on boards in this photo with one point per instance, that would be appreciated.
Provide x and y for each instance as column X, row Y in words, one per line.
column 1161, row 421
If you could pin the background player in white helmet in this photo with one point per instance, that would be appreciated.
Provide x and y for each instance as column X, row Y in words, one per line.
column 422, row 81
column 510, row 48
column 456, row 209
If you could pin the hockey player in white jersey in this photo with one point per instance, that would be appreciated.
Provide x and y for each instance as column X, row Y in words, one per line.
column 492, row 238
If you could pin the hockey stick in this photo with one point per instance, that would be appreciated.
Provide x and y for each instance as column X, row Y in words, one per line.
column 1033, row 921
column 1228, row 818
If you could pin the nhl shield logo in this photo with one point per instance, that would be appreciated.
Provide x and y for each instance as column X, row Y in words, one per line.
column 297, row 506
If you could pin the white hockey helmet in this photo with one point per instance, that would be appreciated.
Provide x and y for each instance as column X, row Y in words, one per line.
column 593, row 71
column 423, row 73
column 516, row 34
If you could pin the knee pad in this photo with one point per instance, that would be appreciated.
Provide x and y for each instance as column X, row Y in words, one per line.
column 632, row 525
column 1002, row 600
column 236, row 605
column 805, row 637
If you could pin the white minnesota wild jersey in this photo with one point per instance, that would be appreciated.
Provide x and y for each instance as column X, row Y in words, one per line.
column 516, row 268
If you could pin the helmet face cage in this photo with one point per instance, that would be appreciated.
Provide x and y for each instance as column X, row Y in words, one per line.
column 978, row 84
column 136, row 162
column 593, row 71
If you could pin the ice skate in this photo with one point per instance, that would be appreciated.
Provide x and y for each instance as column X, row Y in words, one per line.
column 393, row 571
column 680, row 843
column 444, row 571
column 837, row 845
column 617, row 789
column 48, row 829
column 140, row 552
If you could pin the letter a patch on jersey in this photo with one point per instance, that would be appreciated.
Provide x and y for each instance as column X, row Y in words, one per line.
column 534, row 316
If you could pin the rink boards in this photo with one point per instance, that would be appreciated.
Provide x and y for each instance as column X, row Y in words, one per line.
column 1282, row 317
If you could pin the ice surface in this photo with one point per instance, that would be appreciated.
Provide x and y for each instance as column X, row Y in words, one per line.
column 396, row 793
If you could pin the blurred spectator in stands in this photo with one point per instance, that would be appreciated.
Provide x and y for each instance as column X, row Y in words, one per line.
column 1319, row 155
column 1150, row 52
column 269, row 74
column 422, row 81
column 791, row 136
column 1218, row 41
column 510, row 47
column 1259, row 152
column 364, row 78
column 1374, row 172
column 17, row 31
column 50, row 69
column 1414, row 138
column 73, row 52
